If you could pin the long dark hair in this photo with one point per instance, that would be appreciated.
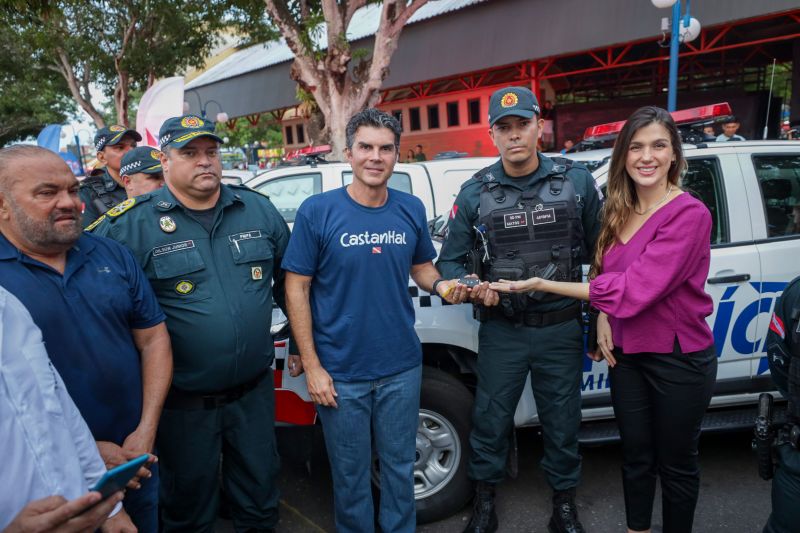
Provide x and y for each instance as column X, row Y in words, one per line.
column 620, row 192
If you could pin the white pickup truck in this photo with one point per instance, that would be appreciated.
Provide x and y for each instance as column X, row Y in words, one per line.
column 752, row 189
column 436, row 183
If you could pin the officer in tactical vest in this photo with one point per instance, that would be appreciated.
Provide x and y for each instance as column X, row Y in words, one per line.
column 526, row 215
column 783, row 353
column 103, row 189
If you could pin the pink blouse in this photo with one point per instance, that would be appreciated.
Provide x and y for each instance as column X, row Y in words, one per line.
column 653, row 286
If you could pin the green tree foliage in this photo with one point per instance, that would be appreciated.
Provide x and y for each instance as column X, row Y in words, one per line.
column 30, row 96
column 121, row 46
column 266, row 132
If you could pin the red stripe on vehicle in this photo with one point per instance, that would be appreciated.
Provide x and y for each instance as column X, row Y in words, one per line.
column 292, row 409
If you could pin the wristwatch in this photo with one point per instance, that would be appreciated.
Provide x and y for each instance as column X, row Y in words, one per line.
column 436, row 285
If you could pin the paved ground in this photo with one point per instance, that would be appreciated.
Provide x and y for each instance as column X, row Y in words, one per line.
column 733, row 498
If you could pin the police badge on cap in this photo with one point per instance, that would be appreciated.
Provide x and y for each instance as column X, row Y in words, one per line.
column 113, row 135
column 514, row 101
column 180, row 131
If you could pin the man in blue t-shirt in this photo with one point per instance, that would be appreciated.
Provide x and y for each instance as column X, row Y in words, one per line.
column 100, row 320
column 347, row 267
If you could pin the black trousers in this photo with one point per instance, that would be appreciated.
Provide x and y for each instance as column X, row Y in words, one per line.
column 659, row 401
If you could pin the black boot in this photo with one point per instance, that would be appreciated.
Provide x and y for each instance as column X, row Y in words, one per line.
column 484, row 518
column 565, row 513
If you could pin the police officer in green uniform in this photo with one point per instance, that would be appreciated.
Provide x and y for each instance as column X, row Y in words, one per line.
column 212, row 253
column 783, row 353
column 525, row 215
column 141, row 172
column 103, row 188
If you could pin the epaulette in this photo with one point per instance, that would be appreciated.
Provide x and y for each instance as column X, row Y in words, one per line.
column 484, row 175
column 126, row 205
column 91, row 178
column 562, row 165
column 94, row 224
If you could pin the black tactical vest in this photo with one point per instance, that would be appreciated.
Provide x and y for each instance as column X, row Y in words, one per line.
column 102, row 198
column 534, row 233
column 793, row 324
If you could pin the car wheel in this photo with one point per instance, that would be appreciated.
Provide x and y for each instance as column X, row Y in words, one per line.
column 441, row 485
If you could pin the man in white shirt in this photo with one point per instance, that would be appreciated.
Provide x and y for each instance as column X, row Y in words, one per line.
column 729, row 129
column 50, row 456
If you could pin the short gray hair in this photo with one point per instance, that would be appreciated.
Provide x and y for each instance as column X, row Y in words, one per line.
column 374, row 118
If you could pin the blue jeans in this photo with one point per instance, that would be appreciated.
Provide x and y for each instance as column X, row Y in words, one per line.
column 390, row 407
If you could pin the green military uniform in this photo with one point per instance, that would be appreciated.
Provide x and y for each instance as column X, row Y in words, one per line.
column 99, row 192
column 783, row 351
column 553, row 353
column 215, row 288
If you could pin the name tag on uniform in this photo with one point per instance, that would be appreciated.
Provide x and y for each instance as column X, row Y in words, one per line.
column 173, row 247
column 245, row 235
column 515, row 220
column 545, row 216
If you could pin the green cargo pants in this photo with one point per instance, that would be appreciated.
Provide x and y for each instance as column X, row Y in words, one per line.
column 785, row 517
column 553, row 355
column 190, row 443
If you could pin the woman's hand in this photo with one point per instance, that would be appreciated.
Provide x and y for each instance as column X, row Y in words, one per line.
column 523, row 285
column 605, row 342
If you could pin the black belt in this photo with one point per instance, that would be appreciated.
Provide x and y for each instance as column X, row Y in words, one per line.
column 547, row 318
column 178, row 399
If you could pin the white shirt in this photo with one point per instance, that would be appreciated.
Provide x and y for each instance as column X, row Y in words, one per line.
column 47, row 449
column 722, row 138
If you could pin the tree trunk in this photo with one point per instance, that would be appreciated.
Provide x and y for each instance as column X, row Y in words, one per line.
column 64, row 67
column 121, row 99
column 340, row 93
column 336, row 125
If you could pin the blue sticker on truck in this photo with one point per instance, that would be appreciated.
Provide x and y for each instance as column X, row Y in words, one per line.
column 732, row 321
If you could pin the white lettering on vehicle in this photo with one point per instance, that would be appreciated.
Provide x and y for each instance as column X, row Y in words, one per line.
column 366, row 238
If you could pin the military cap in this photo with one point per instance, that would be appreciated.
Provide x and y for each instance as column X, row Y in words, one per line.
column 180, row 131
column 141, row 159
column 113, row 135
column 514, row 101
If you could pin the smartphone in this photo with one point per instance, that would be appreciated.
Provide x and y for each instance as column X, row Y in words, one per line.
column 115, row 479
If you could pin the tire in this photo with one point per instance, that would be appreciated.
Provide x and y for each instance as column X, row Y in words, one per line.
column 441, row 485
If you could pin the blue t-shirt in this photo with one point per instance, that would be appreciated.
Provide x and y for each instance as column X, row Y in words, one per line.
column 86, row 316
column 360, row 258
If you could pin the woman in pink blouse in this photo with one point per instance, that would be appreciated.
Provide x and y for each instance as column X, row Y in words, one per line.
column 647, row 279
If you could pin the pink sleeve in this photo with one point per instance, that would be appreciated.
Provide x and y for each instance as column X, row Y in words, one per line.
column 668, row 260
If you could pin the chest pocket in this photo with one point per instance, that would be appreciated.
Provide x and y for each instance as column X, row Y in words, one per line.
column 252, row 254
column 179, row 274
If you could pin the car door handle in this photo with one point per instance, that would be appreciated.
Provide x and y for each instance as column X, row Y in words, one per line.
column 730, row 279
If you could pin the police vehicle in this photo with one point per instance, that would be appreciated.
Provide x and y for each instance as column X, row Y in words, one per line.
column 751, row 188
column 435, row 183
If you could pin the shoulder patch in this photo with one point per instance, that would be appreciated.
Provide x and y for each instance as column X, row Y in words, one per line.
column 120, row 208
column 94, row 224
column 777, row 327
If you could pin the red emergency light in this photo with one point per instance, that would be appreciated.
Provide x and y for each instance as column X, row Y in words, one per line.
column 684, row 116
column 309, row 150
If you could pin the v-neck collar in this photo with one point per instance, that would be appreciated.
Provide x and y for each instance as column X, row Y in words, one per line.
column 638, row 231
